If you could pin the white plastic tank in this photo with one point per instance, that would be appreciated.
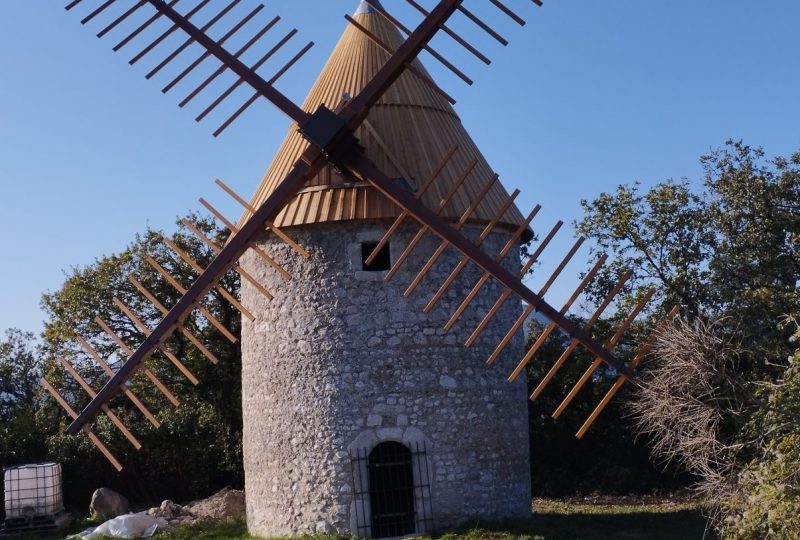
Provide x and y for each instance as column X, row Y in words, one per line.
column 32, row 490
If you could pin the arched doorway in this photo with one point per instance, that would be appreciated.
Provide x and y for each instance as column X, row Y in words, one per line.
column 391, row 490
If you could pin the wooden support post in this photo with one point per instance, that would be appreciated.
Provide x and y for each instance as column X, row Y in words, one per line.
column 191, row 337
column 486, row 275
column 411, row 67
column 529, row 309
column 211, row 78
column 162, row 347
column 153, row 44
column 574, row 342
column 89, row 433
column 205, row 54
column 236, row 267
column 257, row 94
column 207, row 314
column 424, row 229
column 502, row 7
column 403, row 215
column 116, row 22
column 241, row 80
column 106, row 409
column 610, row 345
column 146, row 370
column 446, row 63
column 199, row 269
column 464, row 259
column 552, row 326
column 450, row 32
column 507, row 292
column 144, row 26
column 621, row 380
column 482, row 25
column 97, row 11
column 125, row 390
column 444, row 244
column 174, row 54
column 260, row 252
column 575, row 247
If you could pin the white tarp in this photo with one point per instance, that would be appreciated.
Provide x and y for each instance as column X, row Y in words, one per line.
column 139, row 525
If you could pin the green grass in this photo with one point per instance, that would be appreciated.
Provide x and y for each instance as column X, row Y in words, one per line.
column 552, row 520
column 557, row 520
column 568, row 520
column 230, row 530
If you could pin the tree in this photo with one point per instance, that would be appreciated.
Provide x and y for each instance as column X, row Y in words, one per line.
column 198, row 447
column 20, row 370
column 727, row 249
column 664, row 236
column 719, row 398
column 22, row 436
column 740, row 437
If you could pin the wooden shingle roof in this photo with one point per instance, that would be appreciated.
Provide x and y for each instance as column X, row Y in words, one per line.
column 406, row 134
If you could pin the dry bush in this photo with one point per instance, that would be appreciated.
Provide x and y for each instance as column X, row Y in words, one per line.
column 691, row 401
column 740, row 437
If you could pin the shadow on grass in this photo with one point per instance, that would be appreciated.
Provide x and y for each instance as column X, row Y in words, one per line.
column 552, row 521
column 581, row 522
column 678, row 525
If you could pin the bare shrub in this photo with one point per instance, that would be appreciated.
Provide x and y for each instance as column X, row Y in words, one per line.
column 739, row 436
column 691, row 401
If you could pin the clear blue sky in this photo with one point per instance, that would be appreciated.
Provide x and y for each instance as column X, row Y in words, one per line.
column 588, row 95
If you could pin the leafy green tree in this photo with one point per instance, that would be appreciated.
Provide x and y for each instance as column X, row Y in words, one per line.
column 729, row 247
column 726, row 248
column 198, row 447
column 20, row 370
column 663, row 236
column 721, row 398
column 22, row 436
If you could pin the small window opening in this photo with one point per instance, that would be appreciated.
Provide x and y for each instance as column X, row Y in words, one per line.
column 391, row 490
column 383, row 261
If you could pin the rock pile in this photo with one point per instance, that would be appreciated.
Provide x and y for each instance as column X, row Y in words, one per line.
column 224, row 505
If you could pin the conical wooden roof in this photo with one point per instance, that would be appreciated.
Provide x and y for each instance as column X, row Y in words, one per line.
column 406, row 134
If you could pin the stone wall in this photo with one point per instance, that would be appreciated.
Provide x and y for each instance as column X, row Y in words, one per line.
column 341, row 360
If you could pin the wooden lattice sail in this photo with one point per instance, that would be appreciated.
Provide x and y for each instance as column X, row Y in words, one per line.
column 360, row 143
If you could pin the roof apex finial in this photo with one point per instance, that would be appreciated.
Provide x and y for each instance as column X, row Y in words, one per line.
column 365, row 7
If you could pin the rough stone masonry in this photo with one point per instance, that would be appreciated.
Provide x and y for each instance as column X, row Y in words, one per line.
column 340, row 361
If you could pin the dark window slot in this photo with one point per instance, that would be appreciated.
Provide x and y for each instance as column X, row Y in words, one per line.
column 381, row 263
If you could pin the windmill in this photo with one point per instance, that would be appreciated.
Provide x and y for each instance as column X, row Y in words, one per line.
column 440, row 223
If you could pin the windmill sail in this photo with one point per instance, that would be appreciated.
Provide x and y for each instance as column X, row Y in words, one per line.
column 345, row 158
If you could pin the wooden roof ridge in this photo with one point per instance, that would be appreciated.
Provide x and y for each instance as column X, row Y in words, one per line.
column 406, row 134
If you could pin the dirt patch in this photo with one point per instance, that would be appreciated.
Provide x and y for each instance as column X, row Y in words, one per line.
column 224, row 505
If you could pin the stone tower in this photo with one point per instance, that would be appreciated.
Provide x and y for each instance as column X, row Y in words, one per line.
column 361, row 414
